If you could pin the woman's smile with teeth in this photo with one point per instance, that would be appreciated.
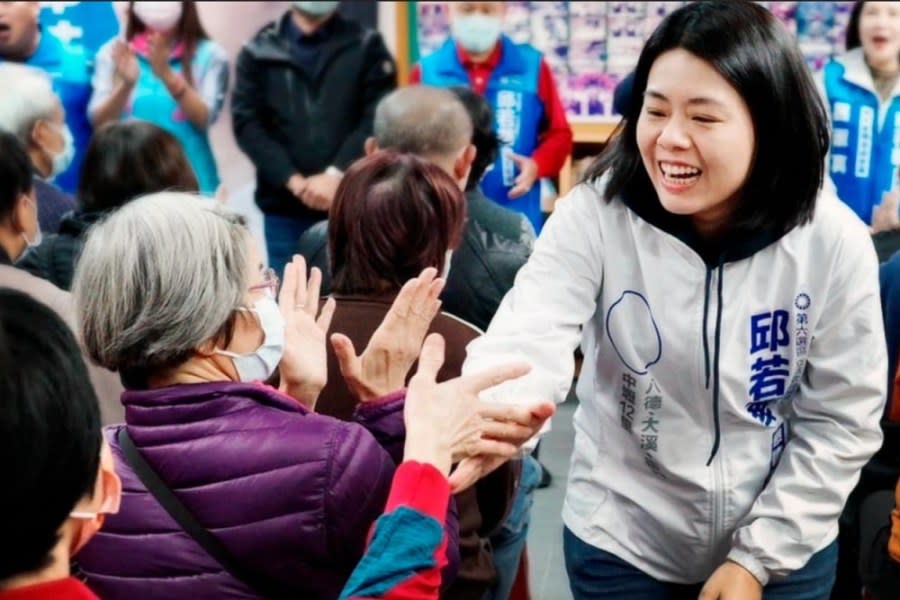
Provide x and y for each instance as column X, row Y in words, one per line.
column 680, row 172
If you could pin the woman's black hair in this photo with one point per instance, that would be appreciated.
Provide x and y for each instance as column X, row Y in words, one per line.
column 853, row 40
column 753, row 51
column 128, row 159
column 49, row 431
column 484, row 138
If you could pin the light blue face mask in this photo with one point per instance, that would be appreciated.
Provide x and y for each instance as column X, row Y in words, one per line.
column 262, row 362
column 316, row 9
column 476, row 33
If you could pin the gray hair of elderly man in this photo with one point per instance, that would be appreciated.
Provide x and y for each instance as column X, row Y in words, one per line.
column 27, row 97
column 426, row 121
column 156, row 279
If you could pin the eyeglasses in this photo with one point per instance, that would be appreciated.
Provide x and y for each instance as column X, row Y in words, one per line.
column 270, row 282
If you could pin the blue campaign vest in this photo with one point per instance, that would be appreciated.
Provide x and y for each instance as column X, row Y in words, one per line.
column 512, row 92
column 153, row 102
column 863, row 159
column 70, row 72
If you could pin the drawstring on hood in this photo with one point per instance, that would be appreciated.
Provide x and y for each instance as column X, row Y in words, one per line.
column 717, row 338
column 737, row 245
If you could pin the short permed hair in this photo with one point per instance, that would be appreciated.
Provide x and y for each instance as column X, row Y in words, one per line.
column 393, row 215
column 156, row 279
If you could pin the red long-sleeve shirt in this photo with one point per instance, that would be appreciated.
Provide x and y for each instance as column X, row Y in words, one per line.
column 555, row 137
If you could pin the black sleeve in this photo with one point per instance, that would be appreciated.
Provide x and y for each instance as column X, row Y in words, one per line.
column 271, row 159
column 379, row 79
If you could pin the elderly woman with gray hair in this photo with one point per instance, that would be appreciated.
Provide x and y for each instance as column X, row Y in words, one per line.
column 251, row 493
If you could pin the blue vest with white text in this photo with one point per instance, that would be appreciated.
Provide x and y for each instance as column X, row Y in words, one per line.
column 864, row 159
column 512, row 92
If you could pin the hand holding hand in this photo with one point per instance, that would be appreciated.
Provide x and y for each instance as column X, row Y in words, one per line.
column 296, row 185
column 508, row 426
column 528, row 171
column 731, row 581
column 304, row 365
column 443, row 420
column 384, row 364
column 320, row 190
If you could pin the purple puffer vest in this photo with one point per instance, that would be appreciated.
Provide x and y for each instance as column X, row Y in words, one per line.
column 290, row 493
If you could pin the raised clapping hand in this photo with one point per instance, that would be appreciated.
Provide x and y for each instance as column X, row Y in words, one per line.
column 384, row 364
column 304, row 365
column 127, row 68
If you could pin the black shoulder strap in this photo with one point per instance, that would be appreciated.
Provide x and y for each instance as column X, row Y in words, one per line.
column 191, row 526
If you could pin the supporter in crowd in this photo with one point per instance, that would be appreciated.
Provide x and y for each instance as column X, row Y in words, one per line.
column 23, row 40
column 172, row 294
column 863, row 99
column 60, row 480
column 305, row 96
column 496, row 241
column 393, row 216
column 534, row 132
column 19, row 231
column 721, row 425
column 56, row 426
column 30, row 109
column 124, row 161
column 168, row 72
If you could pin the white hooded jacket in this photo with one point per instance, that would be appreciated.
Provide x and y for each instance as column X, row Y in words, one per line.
column 727, row 405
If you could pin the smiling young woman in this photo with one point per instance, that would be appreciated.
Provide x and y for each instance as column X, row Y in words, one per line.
column 720, row 295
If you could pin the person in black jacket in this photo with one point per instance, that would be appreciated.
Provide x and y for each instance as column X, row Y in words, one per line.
column 303, row 104
column 124, row 160
column 496, row 241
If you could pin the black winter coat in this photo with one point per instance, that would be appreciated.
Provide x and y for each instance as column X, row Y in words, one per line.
column 289, row 120
column 55, row 259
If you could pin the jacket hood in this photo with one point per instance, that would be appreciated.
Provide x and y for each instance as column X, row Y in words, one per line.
column 76, row 223
column 735, row 246
column 272, row 41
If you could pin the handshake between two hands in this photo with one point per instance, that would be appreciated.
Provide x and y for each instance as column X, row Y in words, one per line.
column 446, row 423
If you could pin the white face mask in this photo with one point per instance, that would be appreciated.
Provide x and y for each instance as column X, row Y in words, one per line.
column 158, row 16
column 262, row 362
column 62, row 159
column 39, row 236
column 448, row 257
column 316, row 9
column 476, row 33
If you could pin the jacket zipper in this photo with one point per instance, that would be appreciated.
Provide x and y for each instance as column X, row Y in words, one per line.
column 717, row 508
column 718, row 504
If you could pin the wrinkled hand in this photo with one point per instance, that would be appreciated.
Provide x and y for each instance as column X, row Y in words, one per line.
column 383, row 366
column 320, row 190
column 510, row 425
column 884, row 216
column 127, row 68
column 158, row 55
column 296, row 185
column 731, row 581
column 304, row 365
column 443, row 420
column 528, row 172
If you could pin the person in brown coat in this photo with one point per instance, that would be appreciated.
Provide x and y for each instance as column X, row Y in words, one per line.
column 393, row 216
